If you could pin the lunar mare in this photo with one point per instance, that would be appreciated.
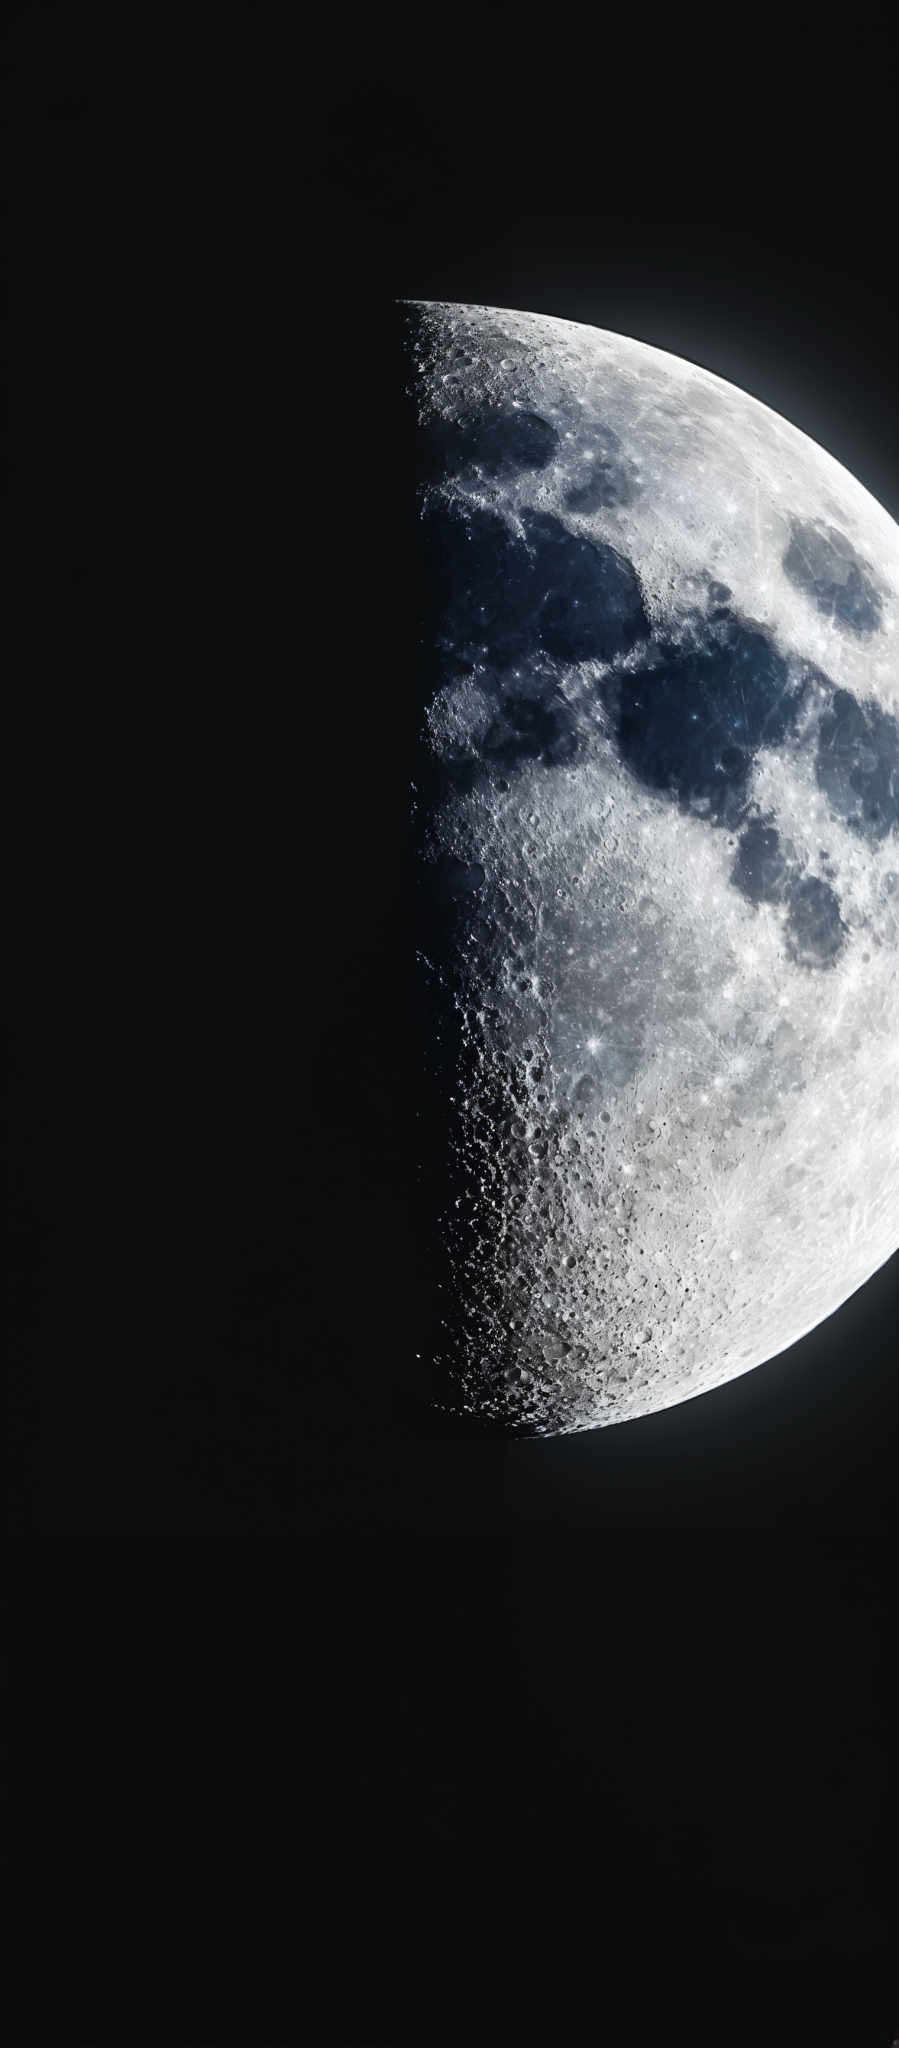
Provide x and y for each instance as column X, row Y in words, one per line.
column 657, row 836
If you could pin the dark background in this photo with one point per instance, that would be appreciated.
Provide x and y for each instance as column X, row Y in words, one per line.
column 343, row 1723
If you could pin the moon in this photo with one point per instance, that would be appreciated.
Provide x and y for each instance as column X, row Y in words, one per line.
column 656, row 832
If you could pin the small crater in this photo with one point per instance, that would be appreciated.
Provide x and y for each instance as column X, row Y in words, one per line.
column 458, row 878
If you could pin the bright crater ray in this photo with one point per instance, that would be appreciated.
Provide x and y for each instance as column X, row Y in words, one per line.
column 657, row 833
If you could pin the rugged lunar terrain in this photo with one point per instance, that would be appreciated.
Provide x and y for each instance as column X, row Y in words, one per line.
column 656, row 824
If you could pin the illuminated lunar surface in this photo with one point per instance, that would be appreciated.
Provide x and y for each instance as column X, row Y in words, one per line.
column 656, row 819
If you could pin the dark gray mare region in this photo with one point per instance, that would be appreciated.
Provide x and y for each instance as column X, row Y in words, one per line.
column 497, row 442
column 517, row 608
column 692, row 717
column 816, row 933
column 761, row 870
column 499, row 597
column 609, row 480
column 765, row 872
column 691, row 722
column 857, row 765
column 822, row 562
column 689, row 713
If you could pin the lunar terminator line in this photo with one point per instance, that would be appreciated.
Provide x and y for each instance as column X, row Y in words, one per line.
column 657, row 836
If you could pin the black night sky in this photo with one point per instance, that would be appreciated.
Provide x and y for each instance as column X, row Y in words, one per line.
column 346, row 1726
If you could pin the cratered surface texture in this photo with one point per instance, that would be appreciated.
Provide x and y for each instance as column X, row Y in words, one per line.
column 655, row 826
